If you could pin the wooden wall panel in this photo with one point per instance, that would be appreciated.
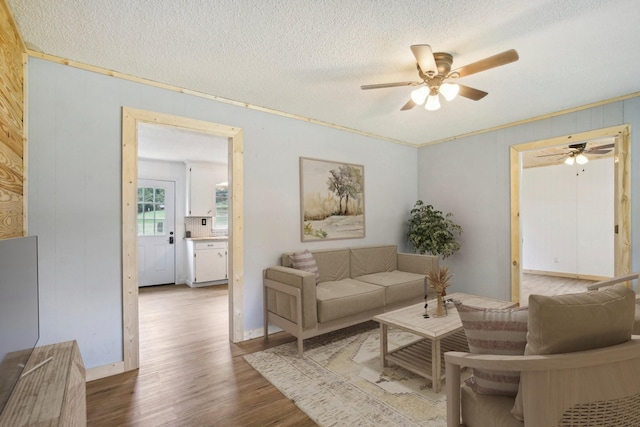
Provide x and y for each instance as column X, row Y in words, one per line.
column 11, row 126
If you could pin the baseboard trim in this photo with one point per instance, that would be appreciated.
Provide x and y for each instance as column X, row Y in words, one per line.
column 257, row 333
column 567, row 275
column 104, row 371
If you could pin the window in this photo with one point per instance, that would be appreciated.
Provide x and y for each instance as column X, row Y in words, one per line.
column 151, row 218
column 222, row 206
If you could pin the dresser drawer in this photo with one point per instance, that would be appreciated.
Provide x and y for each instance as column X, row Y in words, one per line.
column 208, row 244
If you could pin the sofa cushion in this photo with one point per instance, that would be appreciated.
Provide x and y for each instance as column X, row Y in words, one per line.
column 305, row 261
column 337, row 299
column 578, row 322
column 374, row 259
column 494, row 331
column 332, row 264
column 486, row 410
column 398, row 285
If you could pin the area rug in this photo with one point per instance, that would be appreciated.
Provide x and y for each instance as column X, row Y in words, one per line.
column 339, row 381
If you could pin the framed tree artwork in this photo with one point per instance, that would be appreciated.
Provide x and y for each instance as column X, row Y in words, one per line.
column 331, row 200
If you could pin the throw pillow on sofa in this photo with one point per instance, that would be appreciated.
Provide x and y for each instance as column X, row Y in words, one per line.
column 494, row 331
column 305, row 261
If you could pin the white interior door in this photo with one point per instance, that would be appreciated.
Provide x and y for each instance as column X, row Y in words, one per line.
column 156, row 237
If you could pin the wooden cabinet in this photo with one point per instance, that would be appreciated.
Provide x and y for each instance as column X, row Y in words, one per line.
column 53, row 394
column 207, row 262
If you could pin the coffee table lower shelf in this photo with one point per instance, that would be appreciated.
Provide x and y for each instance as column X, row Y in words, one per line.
column 416, row 357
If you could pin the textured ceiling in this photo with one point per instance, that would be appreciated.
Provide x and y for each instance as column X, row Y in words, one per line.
column 309, row 58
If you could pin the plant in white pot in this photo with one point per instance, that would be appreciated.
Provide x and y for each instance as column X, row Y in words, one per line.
column 432, row 232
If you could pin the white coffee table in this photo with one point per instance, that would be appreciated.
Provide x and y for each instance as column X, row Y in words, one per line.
column 437, row 335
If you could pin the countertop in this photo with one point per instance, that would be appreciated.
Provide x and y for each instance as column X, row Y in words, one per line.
column 207, row 238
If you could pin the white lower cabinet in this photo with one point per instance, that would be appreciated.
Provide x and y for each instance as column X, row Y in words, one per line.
column 207, row 262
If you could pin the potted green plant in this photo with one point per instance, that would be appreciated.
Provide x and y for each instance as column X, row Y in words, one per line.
column 432, row 232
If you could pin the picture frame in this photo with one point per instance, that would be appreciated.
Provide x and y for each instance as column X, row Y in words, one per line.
column 331, row 200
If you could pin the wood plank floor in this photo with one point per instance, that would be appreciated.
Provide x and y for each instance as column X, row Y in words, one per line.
column 190, row 374
column 549, row 285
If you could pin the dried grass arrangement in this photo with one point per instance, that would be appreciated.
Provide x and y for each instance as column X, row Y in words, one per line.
column 439, row 280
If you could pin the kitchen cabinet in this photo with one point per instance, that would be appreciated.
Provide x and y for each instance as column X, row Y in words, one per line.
column 202, row 190
column 207, row 259
column 201, row 180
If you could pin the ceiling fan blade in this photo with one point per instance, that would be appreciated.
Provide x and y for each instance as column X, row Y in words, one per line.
column 424, row 56
column 383, row 85
column 471, row 93
column 408, row 106
column 555, row 154
column 598, row 151
column 494, row 61
column 599, row 147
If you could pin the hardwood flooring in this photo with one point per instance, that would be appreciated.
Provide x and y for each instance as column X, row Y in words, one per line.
column 549, row 285
column 190, row 374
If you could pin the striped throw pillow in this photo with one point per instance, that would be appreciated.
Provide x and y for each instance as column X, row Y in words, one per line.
column 305, row 261
column 494, row 331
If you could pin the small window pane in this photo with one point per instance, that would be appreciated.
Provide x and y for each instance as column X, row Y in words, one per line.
column 148, row 195
column 222, row 206
column 159, row 195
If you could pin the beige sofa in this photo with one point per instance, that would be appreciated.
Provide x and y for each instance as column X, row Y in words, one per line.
column 354, row 284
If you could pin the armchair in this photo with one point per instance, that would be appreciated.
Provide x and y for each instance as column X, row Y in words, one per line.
column 594, row 387
column 580, row 368
column 621, row 279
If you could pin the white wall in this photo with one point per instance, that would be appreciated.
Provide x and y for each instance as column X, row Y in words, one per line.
column 567, row 218
column 176, row 172
column 470, row 177
column 74, row 199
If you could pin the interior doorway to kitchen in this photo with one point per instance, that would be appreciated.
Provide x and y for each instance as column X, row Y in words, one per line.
column 131, row 119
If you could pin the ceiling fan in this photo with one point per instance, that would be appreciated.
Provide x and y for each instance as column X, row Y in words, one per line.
column 576, row 152
column 437, row 77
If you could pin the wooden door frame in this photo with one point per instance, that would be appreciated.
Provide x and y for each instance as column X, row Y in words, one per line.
column 130, row 119
column 622, row 197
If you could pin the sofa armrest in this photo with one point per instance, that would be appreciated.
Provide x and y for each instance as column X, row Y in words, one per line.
column 417, row 263
column 281, row 287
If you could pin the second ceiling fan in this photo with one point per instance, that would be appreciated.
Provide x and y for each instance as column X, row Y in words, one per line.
column 437, row 77
column 576, row 152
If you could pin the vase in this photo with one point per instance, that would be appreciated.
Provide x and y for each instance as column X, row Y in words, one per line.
column 441, row 309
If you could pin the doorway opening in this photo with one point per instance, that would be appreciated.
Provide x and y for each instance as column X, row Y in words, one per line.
column 622, row 207
column 130, row 120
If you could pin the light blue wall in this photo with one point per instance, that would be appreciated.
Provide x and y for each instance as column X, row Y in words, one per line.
column 470, row 177
column 74, row 194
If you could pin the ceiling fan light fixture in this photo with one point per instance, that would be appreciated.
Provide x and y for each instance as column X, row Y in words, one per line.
column 433, row 103
column 449, row 90
column 420, row 95
column 581, row 159
column 569, row 161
